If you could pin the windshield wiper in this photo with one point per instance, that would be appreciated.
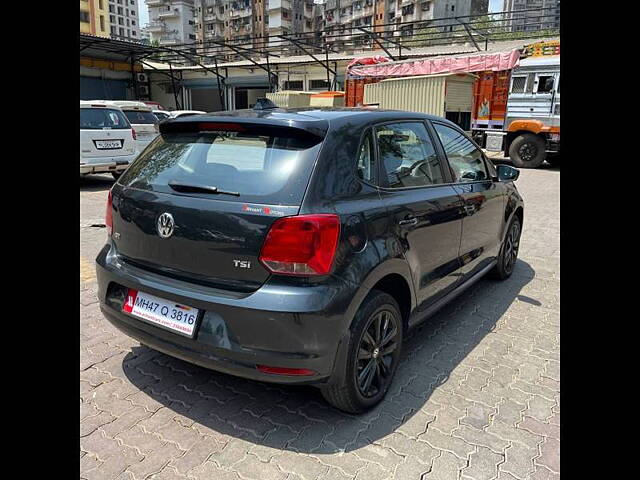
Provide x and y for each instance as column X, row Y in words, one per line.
column 185, row 187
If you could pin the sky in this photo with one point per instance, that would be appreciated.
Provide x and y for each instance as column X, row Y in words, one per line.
column 143, row 12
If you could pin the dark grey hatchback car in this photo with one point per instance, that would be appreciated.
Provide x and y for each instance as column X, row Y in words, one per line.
column 300, row 245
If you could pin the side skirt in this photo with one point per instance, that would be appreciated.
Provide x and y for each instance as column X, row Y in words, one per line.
column 419, row 317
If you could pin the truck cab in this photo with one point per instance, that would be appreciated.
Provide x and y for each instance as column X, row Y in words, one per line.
column 532, row 121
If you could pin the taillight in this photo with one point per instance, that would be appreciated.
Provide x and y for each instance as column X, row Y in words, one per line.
column 301, row 245
column 108, row 218
column 133, row 132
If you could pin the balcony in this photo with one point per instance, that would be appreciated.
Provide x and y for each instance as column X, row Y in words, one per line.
column 156, row 27
column 174, row 12
column 277, row 4
column 169, row 40
column 155, row 3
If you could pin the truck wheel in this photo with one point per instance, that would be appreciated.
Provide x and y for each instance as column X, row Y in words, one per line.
column 527, row 151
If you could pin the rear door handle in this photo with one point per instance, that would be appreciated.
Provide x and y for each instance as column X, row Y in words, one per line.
column 408, row 222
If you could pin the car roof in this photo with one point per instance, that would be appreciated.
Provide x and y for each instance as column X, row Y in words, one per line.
column 130, row 105
column 310, row 118
column 97, row 103
column 320, row 113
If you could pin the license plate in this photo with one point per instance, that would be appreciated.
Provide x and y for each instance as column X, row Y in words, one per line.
column 108, row 144
column 165, row 313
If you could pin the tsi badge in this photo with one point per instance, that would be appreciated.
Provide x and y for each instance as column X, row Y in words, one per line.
column 242, row 263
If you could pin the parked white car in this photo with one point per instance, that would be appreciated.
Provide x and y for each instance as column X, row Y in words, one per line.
column 142, row 119
column 107, row 143
column 162, row 114
column 185, row 113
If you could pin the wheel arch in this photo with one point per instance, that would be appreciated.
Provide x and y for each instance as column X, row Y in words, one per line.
column 392, row 277
column 511, row 136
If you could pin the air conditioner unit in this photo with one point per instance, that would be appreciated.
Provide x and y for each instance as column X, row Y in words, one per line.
column 142, row 78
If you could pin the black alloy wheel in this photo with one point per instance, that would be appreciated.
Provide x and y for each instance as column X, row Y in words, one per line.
column 512, row 243
column 375, row 354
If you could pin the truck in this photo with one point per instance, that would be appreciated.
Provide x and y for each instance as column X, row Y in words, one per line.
column 516, row 96
column 517, row 112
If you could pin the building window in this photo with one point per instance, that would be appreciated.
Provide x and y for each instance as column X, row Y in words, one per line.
column 319, row 85
column 100, row 5
column 133, row 23
column 293, row 85
column 120, row 21
column 133, row 32
column 119, row 10
column 112, row 18
column 102, row 23
column 128, row 24
column 133, row 13
column 121, row 30
column 84, row 16
column 113, row 30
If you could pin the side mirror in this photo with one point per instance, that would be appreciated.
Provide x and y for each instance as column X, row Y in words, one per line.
column 506, row 173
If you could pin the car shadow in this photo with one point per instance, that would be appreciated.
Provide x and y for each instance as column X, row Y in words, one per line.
column 96, row 183
column 297, row 418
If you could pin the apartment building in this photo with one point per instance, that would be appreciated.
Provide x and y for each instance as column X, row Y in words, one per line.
column 93, row 17
column 123, row 19
column 344, row 17
column 172, row 22
column 533, row 19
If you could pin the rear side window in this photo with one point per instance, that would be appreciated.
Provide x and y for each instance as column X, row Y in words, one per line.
column 139, row 117
column 262, row 165
column 465, row 158
column 408, row 156
column 366, row 160
column 99, row 118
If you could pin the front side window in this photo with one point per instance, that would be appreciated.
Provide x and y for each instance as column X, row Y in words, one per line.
column 465, row 159
column 545, row 83
column 408, row 156
column 366, row 160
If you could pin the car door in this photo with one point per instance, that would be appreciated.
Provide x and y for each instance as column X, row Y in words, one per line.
column 424, row 211
column 474, row 179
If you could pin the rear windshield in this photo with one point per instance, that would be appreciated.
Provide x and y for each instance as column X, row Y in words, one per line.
column 263, row 167
column 99, row 118
column 139, row 117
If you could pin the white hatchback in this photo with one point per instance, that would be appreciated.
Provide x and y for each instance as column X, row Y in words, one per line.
column 142, row 119
column 107, row 143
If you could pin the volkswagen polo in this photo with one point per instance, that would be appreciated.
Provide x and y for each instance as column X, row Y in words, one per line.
column 299, row 246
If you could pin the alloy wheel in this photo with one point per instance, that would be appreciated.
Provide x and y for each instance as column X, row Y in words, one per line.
column 374, row 364
column 511, row 247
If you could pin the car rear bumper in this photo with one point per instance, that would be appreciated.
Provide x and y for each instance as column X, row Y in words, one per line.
column 105, row 164
column 300, row 327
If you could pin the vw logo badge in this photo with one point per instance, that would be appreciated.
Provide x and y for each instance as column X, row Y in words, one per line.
column 165, row 225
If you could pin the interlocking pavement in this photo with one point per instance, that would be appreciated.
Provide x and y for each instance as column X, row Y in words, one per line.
column 476, row 395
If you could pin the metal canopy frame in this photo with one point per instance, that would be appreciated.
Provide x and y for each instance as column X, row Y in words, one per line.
column 259, row 50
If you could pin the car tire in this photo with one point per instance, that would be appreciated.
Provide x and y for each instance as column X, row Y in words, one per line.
column 116, row 175
column 527, row 151
column 358, row 390
column 509, row 251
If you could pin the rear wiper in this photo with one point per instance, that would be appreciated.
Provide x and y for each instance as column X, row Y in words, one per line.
column 185, row 187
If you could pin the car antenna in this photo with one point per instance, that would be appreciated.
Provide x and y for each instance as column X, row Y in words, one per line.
column 264, row 104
